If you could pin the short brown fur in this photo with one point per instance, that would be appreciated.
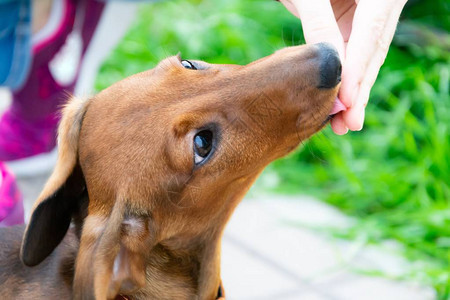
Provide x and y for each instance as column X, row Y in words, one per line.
column 148, row 220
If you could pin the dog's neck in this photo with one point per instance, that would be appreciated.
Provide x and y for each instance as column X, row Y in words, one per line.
column 185, row 257
column 190, row 269
column 189, row 261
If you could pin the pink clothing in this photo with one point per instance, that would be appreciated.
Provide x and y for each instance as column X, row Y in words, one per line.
column 11, row 203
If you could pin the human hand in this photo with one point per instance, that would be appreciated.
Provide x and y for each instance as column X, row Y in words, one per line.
column 361, row 31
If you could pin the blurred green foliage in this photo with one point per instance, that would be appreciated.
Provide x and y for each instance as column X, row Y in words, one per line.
column 393, row 175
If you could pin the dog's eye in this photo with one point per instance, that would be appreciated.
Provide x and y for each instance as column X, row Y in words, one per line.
column 188, row 65
column 202, row 145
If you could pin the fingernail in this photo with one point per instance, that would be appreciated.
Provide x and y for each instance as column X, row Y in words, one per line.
column 346, row 131
column 343, row 131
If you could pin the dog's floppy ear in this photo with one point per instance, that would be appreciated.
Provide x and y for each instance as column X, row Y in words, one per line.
column 52, row 211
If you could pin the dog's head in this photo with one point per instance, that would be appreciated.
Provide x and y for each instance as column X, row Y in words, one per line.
column 164, row 156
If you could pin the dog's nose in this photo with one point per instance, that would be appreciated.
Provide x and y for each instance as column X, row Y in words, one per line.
column 330, row 66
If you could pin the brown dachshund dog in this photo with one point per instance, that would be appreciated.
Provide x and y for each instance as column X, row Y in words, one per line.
column 151, row 169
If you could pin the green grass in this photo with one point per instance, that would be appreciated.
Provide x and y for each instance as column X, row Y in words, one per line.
column 394, row 175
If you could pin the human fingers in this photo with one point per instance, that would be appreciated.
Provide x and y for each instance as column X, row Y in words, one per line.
column 373, row 28
column 338, row 124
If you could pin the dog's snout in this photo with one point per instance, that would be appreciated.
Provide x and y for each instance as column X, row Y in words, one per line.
column 330, row 66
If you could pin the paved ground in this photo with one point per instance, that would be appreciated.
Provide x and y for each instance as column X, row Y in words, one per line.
column 271, row 249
